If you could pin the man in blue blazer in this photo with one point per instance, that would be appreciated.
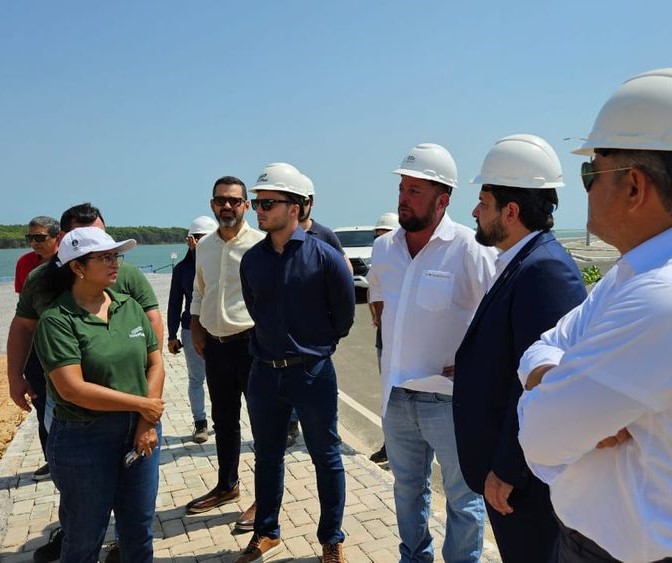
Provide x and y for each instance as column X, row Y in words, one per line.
column 537, row 283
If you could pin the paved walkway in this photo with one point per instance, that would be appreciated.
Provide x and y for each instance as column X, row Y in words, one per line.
column 29, row 510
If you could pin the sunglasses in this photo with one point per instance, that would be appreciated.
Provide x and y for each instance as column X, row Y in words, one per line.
column 107, row 259
column 37, row 238
column 221, row 201
column 267, row 204
column 588, row 174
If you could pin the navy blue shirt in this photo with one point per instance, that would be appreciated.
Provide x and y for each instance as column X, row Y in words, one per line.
column 325, row 234
column 302, row 301
column 181, row 287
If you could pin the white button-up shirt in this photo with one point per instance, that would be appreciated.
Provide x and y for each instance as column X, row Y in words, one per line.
column 428, row 302
column 614, row 370
column 218, row 295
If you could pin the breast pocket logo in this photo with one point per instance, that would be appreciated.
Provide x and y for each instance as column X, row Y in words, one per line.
column 137, row 332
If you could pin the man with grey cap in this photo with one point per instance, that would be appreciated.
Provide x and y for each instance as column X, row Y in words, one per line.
column 181, row 288
column 596, row 423
column 428, row 278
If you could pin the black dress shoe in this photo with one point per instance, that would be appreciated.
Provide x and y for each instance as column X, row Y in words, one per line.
column 213, row 499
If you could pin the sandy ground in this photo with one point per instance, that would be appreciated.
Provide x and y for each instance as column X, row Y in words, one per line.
column 11, row 416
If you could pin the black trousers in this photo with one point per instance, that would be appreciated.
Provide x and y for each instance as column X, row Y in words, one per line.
column 34, row 375
column 530, row 533
column 574, row 547
column 227, row 368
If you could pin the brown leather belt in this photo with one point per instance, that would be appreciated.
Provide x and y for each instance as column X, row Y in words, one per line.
column 245, row 335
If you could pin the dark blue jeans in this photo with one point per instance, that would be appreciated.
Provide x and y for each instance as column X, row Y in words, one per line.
column 311, row 389
column 86, row 463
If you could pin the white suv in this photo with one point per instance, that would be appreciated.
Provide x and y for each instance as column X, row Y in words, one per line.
column 357, row 243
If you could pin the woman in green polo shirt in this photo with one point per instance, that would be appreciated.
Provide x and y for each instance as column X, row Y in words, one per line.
column 105, row 375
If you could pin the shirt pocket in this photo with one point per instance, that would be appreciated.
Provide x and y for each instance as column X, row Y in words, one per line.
column 435, row 290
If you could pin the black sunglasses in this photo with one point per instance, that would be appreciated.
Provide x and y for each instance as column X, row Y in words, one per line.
column 221, row 201
column 267, row 204
column 588, row 174
column 37, row 238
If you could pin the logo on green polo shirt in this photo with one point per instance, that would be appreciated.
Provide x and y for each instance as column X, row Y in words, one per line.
column 137, row 332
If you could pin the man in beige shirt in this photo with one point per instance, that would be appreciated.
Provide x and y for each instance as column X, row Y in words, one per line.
column 220, row 330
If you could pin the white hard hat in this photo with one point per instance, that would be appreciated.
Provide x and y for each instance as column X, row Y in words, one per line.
column 637, row 116
column 310, row 187
column 281, row 177
column 202, row 225
column 429, row 161
column 387, row 221
column 521, row 161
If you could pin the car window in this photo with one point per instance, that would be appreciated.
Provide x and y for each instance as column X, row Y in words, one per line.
column 351, row 239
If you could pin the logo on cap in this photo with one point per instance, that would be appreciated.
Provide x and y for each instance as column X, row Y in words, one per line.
column 410, row 158
column 75, row 243
column 263, row 178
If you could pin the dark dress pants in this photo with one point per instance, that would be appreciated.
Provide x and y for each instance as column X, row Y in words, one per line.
column 227, row 368
column 530, row 533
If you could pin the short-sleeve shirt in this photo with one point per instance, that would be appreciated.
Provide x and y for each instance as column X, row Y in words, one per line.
column 130, row 281
column 24, row 265
column 112, row 354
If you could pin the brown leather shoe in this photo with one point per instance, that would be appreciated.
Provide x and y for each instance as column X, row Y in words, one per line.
column 213, row 499
column 246, row 521
column 333, row 553
column 260, row 548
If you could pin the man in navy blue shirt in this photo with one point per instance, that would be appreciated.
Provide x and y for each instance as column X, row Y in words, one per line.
column 300, row 295
column 179, row 304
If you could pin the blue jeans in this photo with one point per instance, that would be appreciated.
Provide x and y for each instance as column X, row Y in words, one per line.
column 196, row 373
column 86, row 463
column 311, row 389
column 418, row 425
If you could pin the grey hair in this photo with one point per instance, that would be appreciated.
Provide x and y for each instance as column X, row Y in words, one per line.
column 656, row 164
column 52, row 225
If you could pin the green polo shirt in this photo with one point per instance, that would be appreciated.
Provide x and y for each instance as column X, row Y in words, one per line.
column 130, row 281
column 112, row 354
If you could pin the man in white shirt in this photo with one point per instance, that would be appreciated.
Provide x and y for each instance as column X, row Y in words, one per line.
column 220, row 331
column 598, row 428
column 428, row 277
column 537, row 283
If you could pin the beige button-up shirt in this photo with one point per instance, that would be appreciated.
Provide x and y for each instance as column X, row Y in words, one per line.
column 218, row 296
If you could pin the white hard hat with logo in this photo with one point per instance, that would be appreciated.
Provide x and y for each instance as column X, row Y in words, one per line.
column 638, row 116
column 521, row 161
column 202, row 225
column 281, row 177
column 387, row 221
column 429, row 161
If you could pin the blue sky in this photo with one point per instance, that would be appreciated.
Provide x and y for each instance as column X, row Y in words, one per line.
column 139, row 106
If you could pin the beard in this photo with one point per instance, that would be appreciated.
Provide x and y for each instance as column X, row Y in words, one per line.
column 493, row 236
column 414, row 223
column 229, row 222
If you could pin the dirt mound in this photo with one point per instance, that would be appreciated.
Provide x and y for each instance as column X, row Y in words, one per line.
column 11, row 416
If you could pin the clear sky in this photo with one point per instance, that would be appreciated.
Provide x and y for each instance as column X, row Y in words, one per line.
column 140, row 106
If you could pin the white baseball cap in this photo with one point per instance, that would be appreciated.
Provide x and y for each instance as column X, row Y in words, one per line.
column 84, row 240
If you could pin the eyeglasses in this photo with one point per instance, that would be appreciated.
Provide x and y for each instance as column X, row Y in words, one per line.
column 588, row 173
column 221, row 201
column 37, row 238
column 107, row 259
column 267, row 204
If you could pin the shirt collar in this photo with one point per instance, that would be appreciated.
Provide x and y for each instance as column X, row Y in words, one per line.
column 506, row 256
column 299, row 235
column 67, row 302
column 650, row 254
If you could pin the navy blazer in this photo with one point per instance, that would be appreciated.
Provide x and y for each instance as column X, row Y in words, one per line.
column 541, row 284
